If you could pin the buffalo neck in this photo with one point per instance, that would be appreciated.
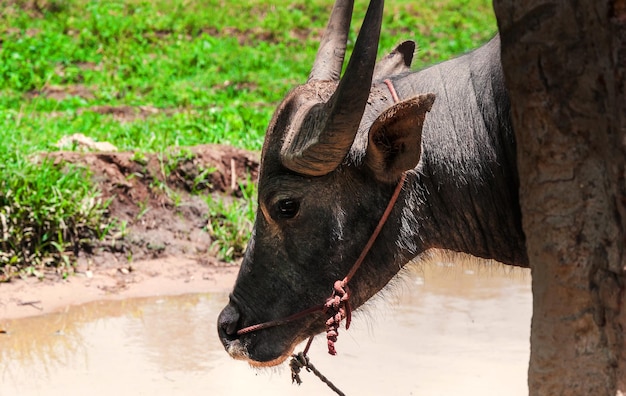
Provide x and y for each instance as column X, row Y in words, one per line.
column 465, row 190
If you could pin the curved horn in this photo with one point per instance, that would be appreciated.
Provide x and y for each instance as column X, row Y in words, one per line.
column 332, row 49
column 319, row 143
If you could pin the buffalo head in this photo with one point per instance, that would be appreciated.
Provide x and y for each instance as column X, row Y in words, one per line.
column 333, row 154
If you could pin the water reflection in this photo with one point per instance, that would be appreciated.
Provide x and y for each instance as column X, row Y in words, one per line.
column 442, row 330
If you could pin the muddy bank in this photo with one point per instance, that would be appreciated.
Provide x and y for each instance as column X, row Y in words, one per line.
column 161, row 198
column 166, row 248
column 166, row 276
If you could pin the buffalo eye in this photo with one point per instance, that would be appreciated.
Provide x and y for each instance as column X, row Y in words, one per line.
column 287, row 208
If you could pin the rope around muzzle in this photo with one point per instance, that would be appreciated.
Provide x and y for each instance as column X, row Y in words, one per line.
column 337, row 306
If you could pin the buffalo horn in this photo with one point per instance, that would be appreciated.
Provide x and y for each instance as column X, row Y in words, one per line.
column 320, row 140
column 332, row 49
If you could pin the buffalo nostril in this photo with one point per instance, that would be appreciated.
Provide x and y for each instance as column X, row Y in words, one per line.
column 228, row 321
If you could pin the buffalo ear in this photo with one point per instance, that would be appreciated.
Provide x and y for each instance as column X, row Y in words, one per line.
column 395, row 138
column 396, row 62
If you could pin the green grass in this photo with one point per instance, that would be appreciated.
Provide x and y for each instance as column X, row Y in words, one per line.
column 48, row 214
column 230, row 222
column 212, row 70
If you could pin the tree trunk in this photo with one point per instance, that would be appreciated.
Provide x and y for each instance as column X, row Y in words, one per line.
column 565, row 68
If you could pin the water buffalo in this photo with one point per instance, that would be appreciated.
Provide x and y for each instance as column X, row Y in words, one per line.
column 333, row 155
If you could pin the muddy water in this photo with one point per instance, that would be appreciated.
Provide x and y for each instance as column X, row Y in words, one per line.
column 442, row 330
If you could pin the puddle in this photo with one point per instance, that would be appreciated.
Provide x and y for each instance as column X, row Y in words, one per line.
column 443, row 330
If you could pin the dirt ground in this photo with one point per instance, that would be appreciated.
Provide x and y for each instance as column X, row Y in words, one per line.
column 166, row 249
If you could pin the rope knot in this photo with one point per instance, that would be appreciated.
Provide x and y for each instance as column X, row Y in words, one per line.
column 302, row 360
column 338, row 308
column 297, row 362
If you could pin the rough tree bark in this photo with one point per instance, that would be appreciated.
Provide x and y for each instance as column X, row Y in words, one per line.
column 565, row 68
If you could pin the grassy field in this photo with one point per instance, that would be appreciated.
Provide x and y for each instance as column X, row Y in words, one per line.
column 188, row 72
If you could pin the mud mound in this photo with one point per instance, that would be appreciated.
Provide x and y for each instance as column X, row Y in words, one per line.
column 160, row 197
